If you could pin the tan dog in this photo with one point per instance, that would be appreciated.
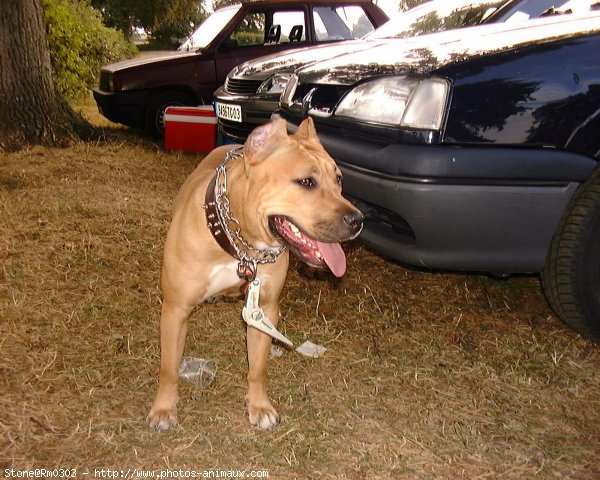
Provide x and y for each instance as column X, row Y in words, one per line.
column 285, row 193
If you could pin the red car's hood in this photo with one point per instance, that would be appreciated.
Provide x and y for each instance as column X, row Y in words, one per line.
column 148, row 60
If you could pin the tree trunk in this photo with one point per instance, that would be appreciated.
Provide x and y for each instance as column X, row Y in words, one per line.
column 31, row 110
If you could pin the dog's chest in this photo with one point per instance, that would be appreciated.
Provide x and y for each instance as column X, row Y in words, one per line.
column 222, row 280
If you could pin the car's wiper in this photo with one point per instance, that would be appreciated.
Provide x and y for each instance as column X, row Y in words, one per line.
column 555, row 11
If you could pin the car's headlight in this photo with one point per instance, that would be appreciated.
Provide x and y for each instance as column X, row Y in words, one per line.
column 275, row 84
column 403, row 101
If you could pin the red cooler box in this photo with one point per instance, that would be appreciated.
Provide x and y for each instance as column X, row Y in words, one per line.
column 190, row 129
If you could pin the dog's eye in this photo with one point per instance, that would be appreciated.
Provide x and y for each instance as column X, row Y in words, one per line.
column 339, row 179
column 309, row 182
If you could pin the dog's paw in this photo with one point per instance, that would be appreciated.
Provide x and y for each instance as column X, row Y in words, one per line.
column 263, row 417
column 161, row 420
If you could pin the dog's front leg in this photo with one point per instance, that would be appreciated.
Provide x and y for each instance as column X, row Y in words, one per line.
column 173, row 331
column 261, row 413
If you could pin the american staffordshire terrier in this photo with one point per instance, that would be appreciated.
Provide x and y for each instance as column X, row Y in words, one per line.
column 234, row 222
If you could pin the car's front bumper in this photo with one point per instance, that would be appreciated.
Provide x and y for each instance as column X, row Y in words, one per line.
column 476, row 208
column 256, row 110
column 127, row 108
column 494, row 228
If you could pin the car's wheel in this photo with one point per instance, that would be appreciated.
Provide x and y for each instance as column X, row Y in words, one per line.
column 155, row 111
column 571, row 277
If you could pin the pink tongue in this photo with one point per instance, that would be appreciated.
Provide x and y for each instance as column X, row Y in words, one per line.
column 334, row 257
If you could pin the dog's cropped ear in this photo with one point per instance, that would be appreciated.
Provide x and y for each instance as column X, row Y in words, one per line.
column 264, row 138
column 307, row 130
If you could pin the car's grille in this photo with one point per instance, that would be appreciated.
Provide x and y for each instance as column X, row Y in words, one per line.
column 105, row 80
column 314, row 98
column 237, row 86
column 323, row 98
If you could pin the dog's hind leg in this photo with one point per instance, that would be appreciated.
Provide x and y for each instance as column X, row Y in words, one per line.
column 173, row 332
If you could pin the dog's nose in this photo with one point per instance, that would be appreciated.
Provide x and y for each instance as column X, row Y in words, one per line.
column 353, row 220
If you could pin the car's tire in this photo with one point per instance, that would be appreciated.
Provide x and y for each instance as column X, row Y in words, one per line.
column 155, row 111
column 571, row 276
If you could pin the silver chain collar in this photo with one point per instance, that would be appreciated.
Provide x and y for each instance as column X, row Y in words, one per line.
column 246, row 253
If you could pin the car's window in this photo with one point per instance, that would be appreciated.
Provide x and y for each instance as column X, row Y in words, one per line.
column 250, row 31
column 269, row 28
column 436, row 16
column 341, row 23
column 292, row 25
column 209, row 29
column 526, row 9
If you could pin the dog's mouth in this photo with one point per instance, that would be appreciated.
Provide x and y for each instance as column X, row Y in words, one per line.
column 309, row 250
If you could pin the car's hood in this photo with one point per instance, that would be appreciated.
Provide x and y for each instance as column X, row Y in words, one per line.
column 147, row 60
column 263, row 67
column 425, row 54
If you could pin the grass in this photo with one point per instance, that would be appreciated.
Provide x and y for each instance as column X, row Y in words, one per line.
column 427, row 375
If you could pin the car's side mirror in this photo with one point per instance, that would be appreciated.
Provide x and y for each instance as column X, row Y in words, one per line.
column 229, row 44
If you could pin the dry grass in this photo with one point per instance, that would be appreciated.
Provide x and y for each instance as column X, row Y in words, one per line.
column 427, row 376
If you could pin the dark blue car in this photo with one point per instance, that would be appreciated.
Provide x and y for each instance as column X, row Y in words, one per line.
column 474, row 153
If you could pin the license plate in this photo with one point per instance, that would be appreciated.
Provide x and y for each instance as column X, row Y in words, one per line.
column 229, row 112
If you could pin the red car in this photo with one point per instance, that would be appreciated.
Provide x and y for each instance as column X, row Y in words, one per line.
column 137, row 92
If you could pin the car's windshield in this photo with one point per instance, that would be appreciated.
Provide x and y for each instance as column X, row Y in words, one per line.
column 209, row 29
column 435, row 16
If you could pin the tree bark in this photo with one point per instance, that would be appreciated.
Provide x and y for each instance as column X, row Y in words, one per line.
column 31, row 110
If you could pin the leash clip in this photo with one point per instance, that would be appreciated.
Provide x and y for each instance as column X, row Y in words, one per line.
column 254, row 316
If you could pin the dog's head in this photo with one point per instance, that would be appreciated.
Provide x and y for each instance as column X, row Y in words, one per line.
column 295, row 187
